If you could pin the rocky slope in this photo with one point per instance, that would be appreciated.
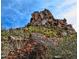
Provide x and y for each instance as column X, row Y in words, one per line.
column 43, row 38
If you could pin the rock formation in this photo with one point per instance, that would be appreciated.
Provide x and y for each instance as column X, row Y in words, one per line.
column 45, row 17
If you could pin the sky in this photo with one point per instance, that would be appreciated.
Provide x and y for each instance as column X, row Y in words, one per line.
column 17, row 13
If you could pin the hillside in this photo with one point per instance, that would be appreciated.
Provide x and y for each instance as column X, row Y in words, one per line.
column 43, row 38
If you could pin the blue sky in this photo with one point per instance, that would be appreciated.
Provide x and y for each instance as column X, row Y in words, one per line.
column 17, row 13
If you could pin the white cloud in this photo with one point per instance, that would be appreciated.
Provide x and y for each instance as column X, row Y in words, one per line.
column 66, row 3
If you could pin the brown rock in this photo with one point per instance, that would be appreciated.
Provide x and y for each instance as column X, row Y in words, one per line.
column 46, row 18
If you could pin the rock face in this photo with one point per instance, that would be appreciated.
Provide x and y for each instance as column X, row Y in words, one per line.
column 46, row 18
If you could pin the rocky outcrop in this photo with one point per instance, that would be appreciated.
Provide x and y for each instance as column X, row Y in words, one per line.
column 46, row 18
